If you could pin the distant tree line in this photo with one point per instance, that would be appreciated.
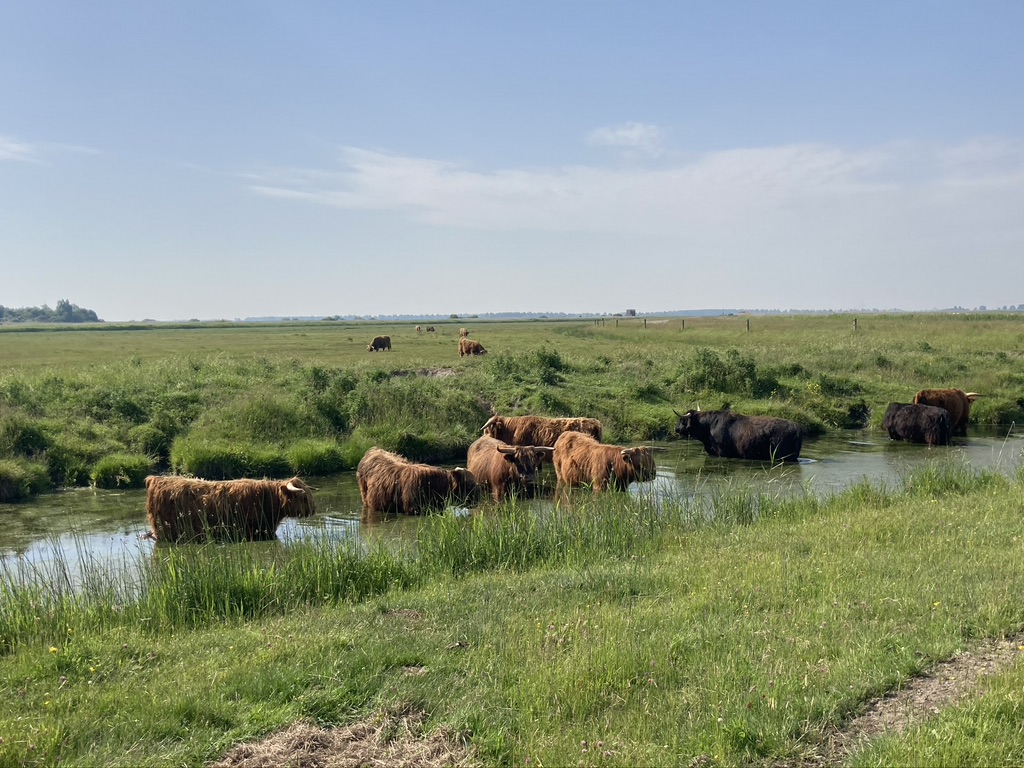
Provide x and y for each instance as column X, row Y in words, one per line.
column 64, row 312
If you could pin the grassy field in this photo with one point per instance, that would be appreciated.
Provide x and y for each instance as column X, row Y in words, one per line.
column 610, row 633
column 104, row 405
column 613, row 631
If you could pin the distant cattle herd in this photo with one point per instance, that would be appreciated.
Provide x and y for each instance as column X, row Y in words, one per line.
column 507, row 461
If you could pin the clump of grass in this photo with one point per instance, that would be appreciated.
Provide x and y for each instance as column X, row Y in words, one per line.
column 316, row 457
column 21, row 478
column 227, row 461
column 121, row 470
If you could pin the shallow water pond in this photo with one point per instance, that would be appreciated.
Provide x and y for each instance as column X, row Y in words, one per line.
column 106, row 526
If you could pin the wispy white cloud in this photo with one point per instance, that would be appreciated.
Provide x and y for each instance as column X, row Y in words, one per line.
column 11, row 149
column 636, row 139
column 806, row 186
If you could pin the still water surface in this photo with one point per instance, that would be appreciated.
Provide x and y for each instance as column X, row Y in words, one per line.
column 105, row 526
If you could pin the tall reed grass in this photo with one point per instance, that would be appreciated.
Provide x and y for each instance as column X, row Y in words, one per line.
column 192, row 585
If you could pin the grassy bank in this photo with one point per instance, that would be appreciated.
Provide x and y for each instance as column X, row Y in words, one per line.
column 224, row 400
column 610, row 632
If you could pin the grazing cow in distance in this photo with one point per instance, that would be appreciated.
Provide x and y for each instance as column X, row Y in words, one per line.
column 430, row 329
column 538, row 430
column 506, row 469
column 580, row 460
column 957, row 402
column 732, row 436
column 390, row 484
column 418, row 329
column 463, row 333
column 182, row 509
column 915, row 423
column 379, row 344
column 470, row 347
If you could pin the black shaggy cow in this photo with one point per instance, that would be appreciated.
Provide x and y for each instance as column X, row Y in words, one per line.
column 915, row 423
column 732, row 436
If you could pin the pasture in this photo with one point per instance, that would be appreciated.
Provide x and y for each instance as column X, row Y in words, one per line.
column 104, row 405
column 611, row 631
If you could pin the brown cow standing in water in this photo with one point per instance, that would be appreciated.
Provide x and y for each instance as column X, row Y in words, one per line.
column 379, row 344
column 956, row 401
column 506, row 469
column 186, row 509
column 538, row 430
column 392, row 485
column 580, row 460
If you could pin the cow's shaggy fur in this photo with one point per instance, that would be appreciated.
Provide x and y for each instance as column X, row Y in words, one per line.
column 469, row 347
column 915, row 423
column 185, row 509
column 580, row 460
column 506, row 469
column 538, row 430
column 379, row 344
column 392, row 485
column 733, row 436
column 957, row 402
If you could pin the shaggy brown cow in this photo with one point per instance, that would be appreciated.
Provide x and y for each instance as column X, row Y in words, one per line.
column 470, row 347
column 538, row 430
column 463, row 333
column 430, row 329
column 185, row 509
column 391, row 485
column 581, row 460
column 379, row 343
column 506, row 469
column 418, row 329
column 957, row 402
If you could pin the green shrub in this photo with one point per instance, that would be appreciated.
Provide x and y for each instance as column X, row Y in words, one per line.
column 735, row 375
column 121, row 470
column 21, row 478
column 227, row 461
column 316, row 457
column 21, row 436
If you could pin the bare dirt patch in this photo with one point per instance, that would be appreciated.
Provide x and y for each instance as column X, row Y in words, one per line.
column 389, row 739
column 919, row 699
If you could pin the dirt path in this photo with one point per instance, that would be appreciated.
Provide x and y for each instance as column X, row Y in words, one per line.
column 919, row 699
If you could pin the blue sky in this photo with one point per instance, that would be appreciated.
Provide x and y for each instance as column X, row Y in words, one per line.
column 186, row 159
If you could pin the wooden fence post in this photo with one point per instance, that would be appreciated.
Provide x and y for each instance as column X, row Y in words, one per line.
column 748, row 325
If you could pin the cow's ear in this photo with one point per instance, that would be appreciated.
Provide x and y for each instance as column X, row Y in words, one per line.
column 543, row 452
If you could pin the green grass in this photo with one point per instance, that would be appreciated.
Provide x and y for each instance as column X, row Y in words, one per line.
column 261, row 394
column 661, row 633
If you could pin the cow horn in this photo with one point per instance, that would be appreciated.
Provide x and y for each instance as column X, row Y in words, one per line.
column 292, row 487
column 506, row 450
column 677, row 413
column 972, row 395
column 489, row 422
column 698, row 406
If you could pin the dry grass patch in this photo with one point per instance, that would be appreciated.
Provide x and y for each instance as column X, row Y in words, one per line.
column 387, row 739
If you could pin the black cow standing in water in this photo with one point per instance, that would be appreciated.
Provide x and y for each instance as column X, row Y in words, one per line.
column 733, row 436
column 926, row 424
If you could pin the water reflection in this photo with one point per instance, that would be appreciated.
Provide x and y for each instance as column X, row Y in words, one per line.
column 72, row 526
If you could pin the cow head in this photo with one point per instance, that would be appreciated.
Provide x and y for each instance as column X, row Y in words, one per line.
column 640, row 461
column 687, row 422
column 298, row 501
column 526, row 460
column 493, row 427
column 464, row 487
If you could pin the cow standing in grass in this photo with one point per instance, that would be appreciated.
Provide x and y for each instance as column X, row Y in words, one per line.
column 470, row 347
column 957, row 402
column 582, row 461
column 506, row 469
column 181, row 509
column 390, row 484
column 379, row 344
column 732, row 436
column 538, row 430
